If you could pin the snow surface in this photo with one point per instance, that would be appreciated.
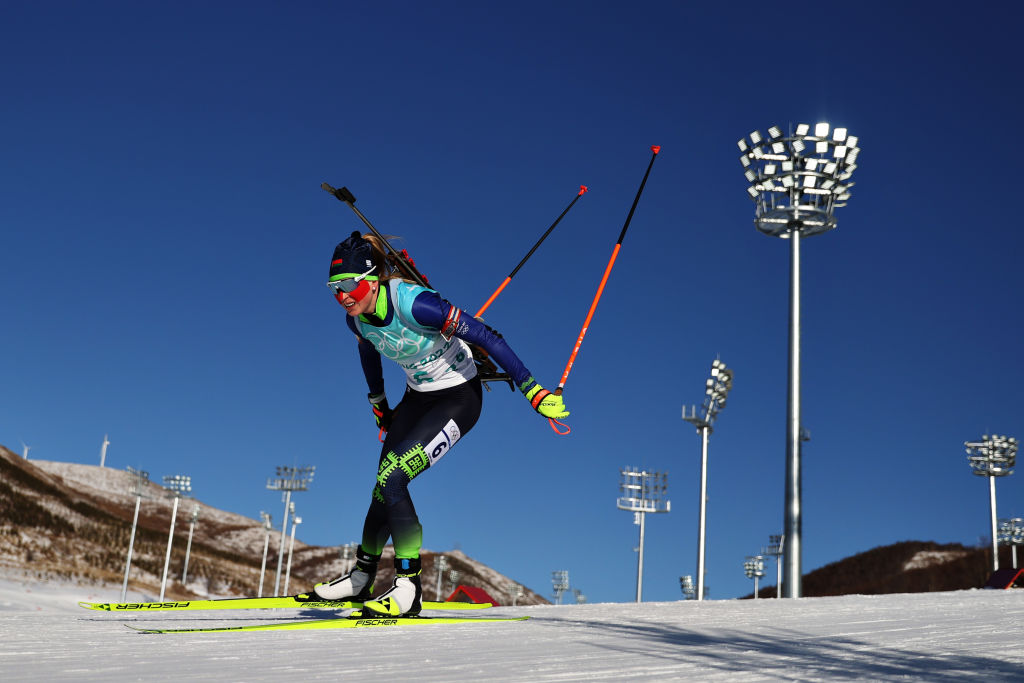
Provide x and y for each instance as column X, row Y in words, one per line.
column 955, row 636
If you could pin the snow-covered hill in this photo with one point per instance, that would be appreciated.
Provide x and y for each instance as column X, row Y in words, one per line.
column 66, row 521
column 955, row 636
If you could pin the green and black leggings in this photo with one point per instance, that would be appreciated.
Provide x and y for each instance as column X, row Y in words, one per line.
column 424, row 426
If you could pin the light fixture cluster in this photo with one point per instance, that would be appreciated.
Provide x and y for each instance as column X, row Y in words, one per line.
column 179, row 484
column 992, row 456
column 753, row 567
column 797, row 180
column 292, row 478
column 1011, row 531
column 643, row 491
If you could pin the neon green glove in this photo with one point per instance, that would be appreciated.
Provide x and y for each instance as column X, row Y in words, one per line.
column 547, row 404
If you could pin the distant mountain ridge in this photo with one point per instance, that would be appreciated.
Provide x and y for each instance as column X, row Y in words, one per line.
column 905, row 567
column 71, row 521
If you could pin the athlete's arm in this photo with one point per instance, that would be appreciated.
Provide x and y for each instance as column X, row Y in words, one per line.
column 430, row 310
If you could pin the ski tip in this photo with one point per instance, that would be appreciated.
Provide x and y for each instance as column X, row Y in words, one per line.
column 583, row 188
column 655, row 148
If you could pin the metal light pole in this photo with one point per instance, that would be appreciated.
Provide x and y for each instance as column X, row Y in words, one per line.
column 642, row 492
column 775, row 550
column 1011, row 533
column 178, row 486
column 442, row 564
column 797, row 182
column 453, row 576
column 347, row 553
column 267, row 528
column 559, row 584
column 581, row 599
column 686, row 585
column 288, row 479
column 291, row 549
column 103, row 451
column 716, row 391
column 516, row 591
column 754, row 569
column 188, row 548
column 993, row 456
column 139, row 491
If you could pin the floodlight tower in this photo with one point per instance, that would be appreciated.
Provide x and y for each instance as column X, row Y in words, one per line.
column 296, row 521
column 559, row 584
column 686, row 585
column 267, row 528
column 716, row 391
column 1011, row 532
column 516, row 591
column 642, row 492
column 993, row 456
column 288, row 479
column 103, row 451
column 797, row 181
column 774, row 549
column 141, row 479
column 193, row 518
column 177, row 487
column 347, row 553
column 754, row 569
column 442, row 564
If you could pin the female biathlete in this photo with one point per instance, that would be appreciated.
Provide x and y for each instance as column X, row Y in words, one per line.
column 427, row 336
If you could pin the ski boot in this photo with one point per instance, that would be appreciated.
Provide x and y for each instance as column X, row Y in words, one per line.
column 356, row 585
column 404, row 598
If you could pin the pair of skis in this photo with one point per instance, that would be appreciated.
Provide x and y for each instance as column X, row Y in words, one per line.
column 302, row 601
column 344, row 195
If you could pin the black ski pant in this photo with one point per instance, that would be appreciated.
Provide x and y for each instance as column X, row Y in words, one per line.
column 424, row 427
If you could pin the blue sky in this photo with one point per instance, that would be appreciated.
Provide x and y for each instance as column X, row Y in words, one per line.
column 165, row 242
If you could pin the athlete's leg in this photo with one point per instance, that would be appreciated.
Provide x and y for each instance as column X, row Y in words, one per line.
column 424, row 427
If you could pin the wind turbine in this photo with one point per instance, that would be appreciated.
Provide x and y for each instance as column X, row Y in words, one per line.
column 25, row 448
column 103, row 451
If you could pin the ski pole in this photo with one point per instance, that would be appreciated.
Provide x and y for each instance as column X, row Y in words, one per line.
column 583, row 188
column 604, row 280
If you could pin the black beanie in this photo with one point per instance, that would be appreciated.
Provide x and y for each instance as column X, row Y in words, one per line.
column 354, row 255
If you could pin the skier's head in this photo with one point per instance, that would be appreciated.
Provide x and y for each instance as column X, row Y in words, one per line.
column 353, row 268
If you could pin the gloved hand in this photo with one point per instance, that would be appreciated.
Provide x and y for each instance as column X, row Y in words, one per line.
column 381, row 411
column 547, row 404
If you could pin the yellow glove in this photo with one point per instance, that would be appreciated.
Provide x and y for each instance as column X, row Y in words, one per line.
column 547, row 404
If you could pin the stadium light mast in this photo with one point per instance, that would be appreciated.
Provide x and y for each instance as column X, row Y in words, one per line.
column 642, row 492
column 992, row 456
column 754, row 569
column 103, row 450
column 716, row 391
column 1011, row 532
column 442, row 564
column 296, row 521
column 141, row 479
column 178, row 486
column 288, row 479
column 267, row 528
column 774, row 549
column 559, row 584
column 193, row 518
column 686, row 585
column 797, row 182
